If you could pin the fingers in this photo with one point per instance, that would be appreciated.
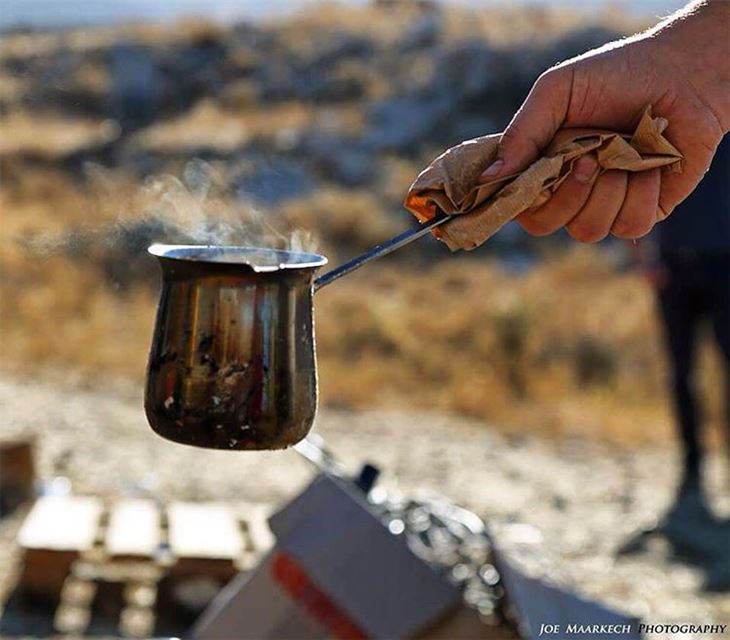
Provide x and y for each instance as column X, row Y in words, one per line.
column 594, row 221
column 565, row 203
column 620, row 203
column 639, row 210
column 698, row 151
column 534, row 125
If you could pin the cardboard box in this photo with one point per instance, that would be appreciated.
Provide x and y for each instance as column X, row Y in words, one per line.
column 337, row 572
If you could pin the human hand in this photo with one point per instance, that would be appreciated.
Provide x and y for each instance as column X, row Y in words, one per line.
column 681, row 69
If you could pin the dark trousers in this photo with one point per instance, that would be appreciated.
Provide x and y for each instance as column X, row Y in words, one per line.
column 697, row 290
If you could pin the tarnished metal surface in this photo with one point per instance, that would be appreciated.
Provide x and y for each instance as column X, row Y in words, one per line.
column 380, row 250
column 232, row 363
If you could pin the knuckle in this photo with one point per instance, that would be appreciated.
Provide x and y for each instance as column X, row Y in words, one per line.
column 552, row 78
column 516, row 138
column 511, row 134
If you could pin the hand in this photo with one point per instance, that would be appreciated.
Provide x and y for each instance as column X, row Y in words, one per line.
column 681, row 69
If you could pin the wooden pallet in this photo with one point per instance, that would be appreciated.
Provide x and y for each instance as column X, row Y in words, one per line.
column 17, row 473
column 134, row 561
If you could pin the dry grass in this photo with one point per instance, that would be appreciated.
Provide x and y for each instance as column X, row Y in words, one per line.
column 51, row 136
column 569, row 347
column 572, row 347
column 84, row 40
column 212, row 126
column 501, row 24
column 208, row 125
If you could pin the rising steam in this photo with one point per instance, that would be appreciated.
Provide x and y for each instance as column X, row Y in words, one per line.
column 195, row 208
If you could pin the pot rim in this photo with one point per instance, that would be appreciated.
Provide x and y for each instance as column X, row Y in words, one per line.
column 260, row 259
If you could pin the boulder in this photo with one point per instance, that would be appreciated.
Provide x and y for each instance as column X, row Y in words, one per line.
column 423, row 33
column 403, row 123
column 339, row 159
column 137, row 85
column 270, row 180
column 465, row 71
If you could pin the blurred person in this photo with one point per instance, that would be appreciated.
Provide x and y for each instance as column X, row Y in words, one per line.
column 687, row 260
column 681, row 68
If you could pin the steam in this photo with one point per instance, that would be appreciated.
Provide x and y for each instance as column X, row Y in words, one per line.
column 195, row 208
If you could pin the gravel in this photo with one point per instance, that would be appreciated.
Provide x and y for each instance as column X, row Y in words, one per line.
column 563, row 506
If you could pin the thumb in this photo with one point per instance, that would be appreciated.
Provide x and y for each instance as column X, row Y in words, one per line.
column 534, row 125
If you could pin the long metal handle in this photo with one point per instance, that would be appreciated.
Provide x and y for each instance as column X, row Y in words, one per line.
column 380, row 250
column 314, row 449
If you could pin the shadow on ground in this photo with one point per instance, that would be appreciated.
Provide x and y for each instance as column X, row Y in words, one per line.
column 695, row 535
column 23, row 616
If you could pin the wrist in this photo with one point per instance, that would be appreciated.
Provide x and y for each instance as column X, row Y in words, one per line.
column 695, row 43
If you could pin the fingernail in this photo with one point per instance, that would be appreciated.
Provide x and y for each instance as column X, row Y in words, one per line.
column 493, row 169
column 584, row 169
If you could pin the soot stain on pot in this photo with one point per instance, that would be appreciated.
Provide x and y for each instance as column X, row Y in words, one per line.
column 164, row 358
column 206, row 342
column 227, row 417
column 207, row 359
column 205, row 346
column 230, row 376
column 235, row 368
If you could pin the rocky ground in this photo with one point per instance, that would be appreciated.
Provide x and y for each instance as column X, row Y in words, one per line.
column 344, row 100
column 322, row 120
column 566, row 506
column 116, row 138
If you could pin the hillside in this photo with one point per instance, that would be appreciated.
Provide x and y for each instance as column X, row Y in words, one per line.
column 305, row 132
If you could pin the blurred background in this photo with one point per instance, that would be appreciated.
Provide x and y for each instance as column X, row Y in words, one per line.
column 525, row 379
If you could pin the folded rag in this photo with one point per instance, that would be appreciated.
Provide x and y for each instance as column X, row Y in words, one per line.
column 451, row 182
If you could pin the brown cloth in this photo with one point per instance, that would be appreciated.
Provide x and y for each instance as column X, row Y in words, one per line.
column 451, row 181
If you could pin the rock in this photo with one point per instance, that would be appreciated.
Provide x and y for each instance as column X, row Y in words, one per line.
column 402, row 123
column 423, row 33
column 271, row 180
column 193, row 72
column 344, row 161
column 249, row 35
column 198, row 61
column 60, row 81
column 137, row 85
column 449, row 106
column 330, row 87
column 334, row 72
column 341, row 45
column 465, row 71
column 311, row 83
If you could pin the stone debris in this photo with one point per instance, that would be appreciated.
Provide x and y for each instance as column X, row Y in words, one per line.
column 566, row 507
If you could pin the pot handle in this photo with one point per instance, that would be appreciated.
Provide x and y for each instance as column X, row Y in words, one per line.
column 381, row 250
